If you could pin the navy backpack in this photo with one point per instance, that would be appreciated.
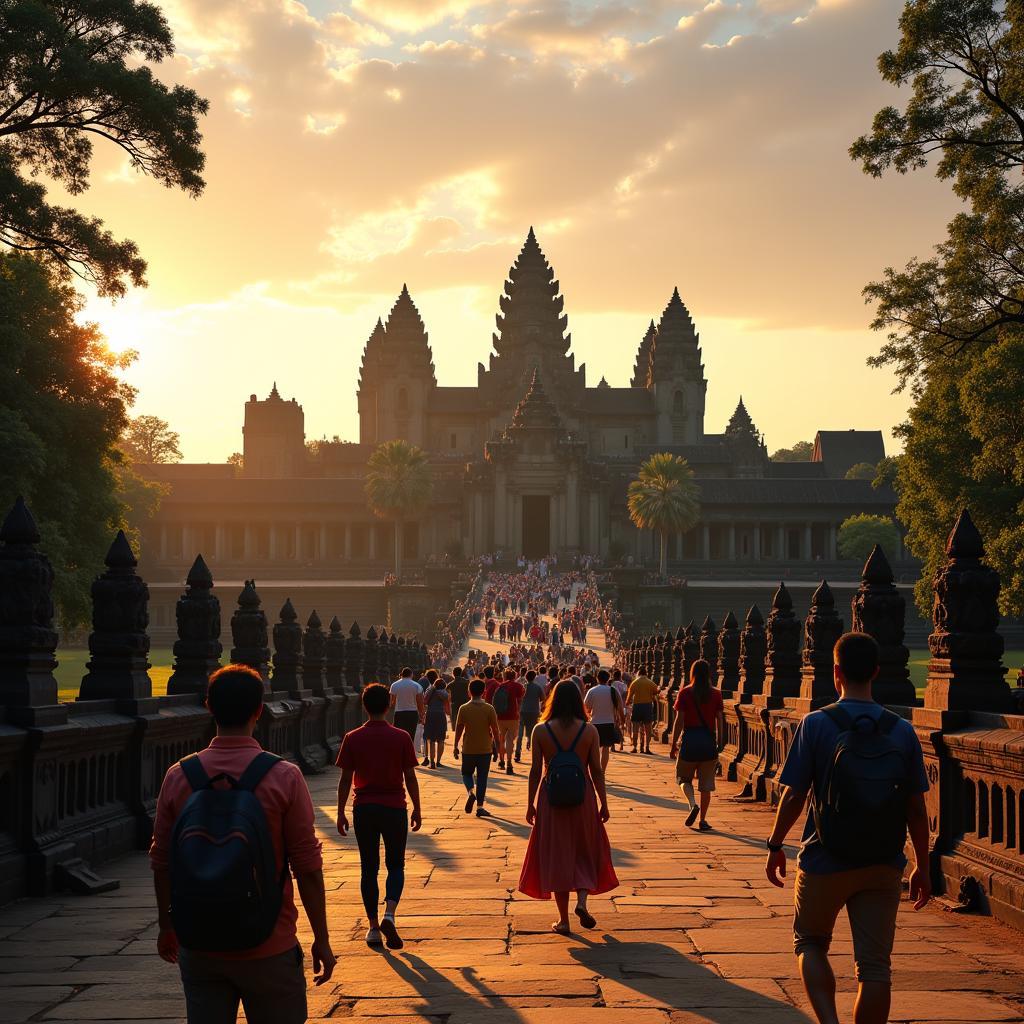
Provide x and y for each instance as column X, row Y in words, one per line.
column 566, row 781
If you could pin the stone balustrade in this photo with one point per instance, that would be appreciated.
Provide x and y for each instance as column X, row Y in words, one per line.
column 970, row 722
column 79, row 780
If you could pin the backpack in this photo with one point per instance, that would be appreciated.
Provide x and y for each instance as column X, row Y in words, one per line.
column 566, row 781
column 501, row 701
column 860, row 815
column 226, row 891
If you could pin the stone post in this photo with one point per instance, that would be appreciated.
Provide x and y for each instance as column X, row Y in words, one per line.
column 782, row 663
column 822, row 628
column 354, row 659
column 198, row 648
column 691, row 650
column 334, row 658
column 729, row 655
column 677, row 659
column 287, row 652
column 370, row 658
column 313, row 655
column 249, row 633
column 753, row 650
column 879, row 609
column 966, row 671
column 709, row 647
column 27, row 637
column 118, row 665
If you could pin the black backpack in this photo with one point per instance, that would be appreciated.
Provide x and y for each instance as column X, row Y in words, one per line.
column 860, row 815
column 501, row 700
column 226, row 891
column 566, row 781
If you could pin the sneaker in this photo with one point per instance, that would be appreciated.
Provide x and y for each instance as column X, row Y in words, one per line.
column 373, row 937
column 501, row 765
column 508, row 769
column 482, row 812
column 425, row 763
column 433, row 764
column 390, row 933
column 470, row 800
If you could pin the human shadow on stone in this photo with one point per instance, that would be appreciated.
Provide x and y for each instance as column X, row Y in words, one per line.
column 657, row 975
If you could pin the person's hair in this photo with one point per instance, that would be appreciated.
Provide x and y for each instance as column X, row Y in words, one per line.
column 564, row 704
column 602, row 676
column 700, row 680
column 234, row 694
column 375, row 698
column 432, row 674
column 489, row 672
column 531, row 675
column 510, row 675
column 588, row 681
column 856, row 654
column 440, row 683
column 476, row 688
column 406, row 672
column 457, row 671
column 553, row 673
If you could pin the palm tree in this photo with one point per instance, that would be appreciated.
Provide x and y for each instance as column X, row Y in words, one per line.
column 397, row 481
column 664, row 497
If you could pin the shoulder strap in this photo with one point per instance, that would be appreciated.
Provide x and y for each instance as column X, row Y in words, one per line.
column 572, row 746
column 839, row 716
column 258, row 767
column 194, row 772
column 554, row 738
column 887, row 721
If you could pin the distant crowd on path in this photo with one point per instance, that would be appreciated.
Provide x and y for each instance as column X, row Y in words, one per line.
column 234, row 823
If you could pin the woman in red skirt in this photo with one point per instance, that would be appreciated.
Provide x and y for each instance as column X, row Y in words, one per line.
column 569, row 849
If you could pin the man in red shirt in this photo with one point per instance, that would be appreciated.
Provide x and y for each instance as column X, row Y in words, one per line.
column 505, row 696
column 268, row 979
column 381, row 761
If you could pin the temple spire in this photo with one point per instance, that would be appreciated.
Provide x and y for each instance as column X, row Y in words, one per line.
column 642, row 366
column 676, row 347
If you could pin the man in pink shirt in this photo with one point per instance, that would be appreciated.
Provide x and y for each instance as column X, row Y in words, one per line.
column 268, row 979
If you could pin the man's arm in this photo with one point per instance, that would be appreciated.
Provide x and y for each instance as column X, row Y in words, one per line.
column 421, row 705
column 791, row 807
column 412, row 784
column 344, row 788
column 536, row 771
column 393, row 699
column 917, row 824
column 167, row 941
column 677, row 728
column 314, row 901
column 597, row 773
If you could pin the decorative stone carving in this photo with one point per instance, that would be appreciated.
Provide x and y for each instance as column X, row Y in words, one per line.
column 753, row 650
column 822, row 628
column 782, row 661
column 27, row 637
column 314, row 653
column 370, row 657
column 118, row 665
column 879, row 609
column 709, row 647
column 287, row 650
column 729, row 654
column 334, row 657
column 354, row 658
column 198, row 648
column 677, row 658
column 691, row 650
column 966, row 670
column 249, row 632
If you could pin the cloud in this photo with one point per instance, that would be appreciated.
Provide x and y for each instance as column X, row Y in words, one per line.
column 414, row 15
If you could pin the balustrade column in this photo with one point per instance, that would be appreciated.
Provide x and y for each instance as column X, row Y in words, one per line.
column 781, row 553
column 806, row 546
column 832, row 553
column 705, row 542
column 755, row 547
column 272, row 541
column 297, row 553
column 249, row 543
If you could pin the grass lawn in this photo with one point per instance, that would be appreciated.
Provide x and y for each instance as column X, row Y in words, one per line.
column 71, row 668
column 1013, row 660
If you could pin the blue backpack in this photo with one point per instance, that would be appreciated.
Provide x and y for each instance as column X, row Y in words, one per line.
column 566, row 781
column 226, row 891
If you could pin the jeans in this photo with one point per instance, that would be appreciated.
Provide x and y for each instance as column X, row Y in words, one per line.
column 527, row 721
column 372, row 823
column 481, row 764
column 407, row 720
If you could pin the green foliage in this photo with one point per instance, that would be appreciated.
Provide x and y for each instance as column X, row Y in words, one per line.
column 862, row 471
column 860, row 533
column 63, row 409
column 149, row 439
column 664, row 497
column 800, row 452
column 885, row 472
column 236, row 459
column 398, row 481
column 70, row 73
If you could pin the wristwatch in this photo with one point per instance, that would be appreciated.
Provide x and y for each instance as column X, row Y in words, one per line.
column 772, row 847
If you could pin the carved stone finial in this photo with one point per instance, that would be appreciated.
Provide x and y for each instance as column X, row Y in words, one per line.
column 249, row 632
column 822, row 628
column 198, row 648
column 753, row 649
column 287, row 651
column 709, row 647
column 782, row 660
column 729, row 654
column 313, row 654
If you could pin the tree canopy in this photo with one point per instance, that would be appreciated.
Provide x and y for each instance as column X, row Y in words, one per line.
column 149, row 439
column 860, row 533
column 398, row 481
column 71, row 73
column 800, row 452
column 665, row 498
column 862, row 471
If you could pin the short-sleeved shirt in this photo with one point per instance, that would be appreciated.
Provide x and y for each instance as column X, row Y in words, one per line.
column 807, row 766
column 378, row 755
column 405, row 692
column 477, row 717
column 532, row 698
column 686, row 705
column 600, row 700
column 641, row 691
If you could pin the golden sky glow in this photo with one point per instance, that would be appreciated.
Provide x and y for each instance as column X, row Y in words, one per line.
column 354, row 146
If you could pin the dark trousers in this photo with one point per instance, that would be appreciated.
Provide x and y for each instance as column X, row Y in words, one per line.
column 527, row 721
column 407, row 720
column 481, row 765
column 372, row 823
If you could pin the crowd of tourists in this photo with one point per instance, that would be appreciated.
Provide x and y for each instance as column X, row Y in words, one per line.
column 234, row 815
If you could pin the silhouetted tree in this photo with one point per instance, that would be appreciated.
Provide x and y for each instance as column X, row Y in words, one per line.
column 150, row 439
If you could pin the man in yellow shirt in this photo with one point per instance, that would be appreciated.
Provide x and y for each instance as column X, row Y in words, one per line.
column 642, row 694
column 477, row 723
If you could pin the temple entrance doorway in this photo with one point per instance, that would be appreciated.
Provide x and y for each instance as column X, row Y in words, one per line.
column 536, row 525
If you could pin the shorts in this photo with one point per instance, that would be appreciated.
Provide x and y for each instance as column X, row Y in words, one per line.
column 508, row 727
column 704, row 770
column 643, row 713
column 607, row 733
column 871, row 896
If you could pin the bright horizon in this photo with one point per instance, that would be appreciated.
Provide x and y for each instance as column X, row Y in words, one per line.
column 354, row 147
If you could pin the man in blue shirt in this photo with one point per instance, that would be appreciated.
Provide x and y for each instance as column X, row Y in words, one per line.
column 824, row 882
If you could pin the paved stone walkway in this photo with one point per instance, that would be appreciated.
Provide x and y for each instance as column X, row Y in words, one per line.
column 693, row 934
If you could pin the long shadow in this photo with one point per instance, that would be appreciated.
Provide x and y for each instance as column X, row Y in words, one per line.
column 658, row 972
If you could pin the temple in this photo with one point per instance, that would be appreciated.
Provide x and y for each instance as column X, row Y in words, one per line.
column 530, row 461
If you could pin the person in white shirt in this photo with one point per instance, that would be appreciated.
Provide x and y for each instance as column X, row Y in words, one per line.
column 604, row 706
column 621, row 687
column 407, row 702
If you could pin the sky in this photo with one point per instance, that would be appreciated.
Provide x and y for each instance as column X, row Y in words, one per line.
column 356, row 145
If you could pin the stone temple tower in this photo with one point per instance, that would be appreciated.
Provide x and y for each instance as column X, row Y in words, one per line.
column 397, row 378
column 675, row 374
column 273, row 438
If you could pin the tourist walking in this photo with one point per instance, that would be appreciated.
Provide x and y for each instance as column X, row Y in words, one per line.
column 459, row 689
column 476, row 729
column 529, row 711
column 605, row 710
column 407, row 703
column 380, row 762
column 852, row 854
column 506, row 699
column 699, row 722
column 568, row 849
column 233, row 944
column 435, row 721
column 641, row 696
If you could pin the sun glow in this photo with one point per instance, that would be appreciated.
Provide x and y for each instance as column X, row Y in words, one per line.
column 122, row 324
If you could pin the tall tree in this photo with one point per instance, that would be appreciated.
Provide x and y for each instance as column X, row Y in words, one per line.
column 149, row 439
column 860, row 533
column 398, row 481
column 800, row 452
column 75, row 71
column 665, row 498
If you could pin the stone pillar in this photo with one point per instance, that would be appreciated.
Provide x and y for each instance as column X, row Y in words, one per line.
column 966, row 670
column 287, row 651
column 705, row 542
column 782, row 663
column 370, row 654
column 314, row 652
column 297, row 554
column 249, row 543
column 755, row 547
column 118, row 663
column 348, row 542
column 806, row 552
column 27, row 637
column 781, row 554
column 219, row 543
column 732, row 542
column 753, row 649
column 163, row 542
column 324, row 553
column 691, row 650
column 371, row 542
column 198, row 648
column 822, row 628
column 354, row 659
column 833, row 552
column 334, row 657
column 500, row 509
column 729, row 655
column 249, row 632
column 709, row 647
column 879, row 609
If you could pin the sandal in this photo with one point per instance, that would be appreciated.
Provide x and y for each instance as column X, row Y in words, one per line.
column 587, row 919
column 692, row 816
column 561, row 929
column 704, row 827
